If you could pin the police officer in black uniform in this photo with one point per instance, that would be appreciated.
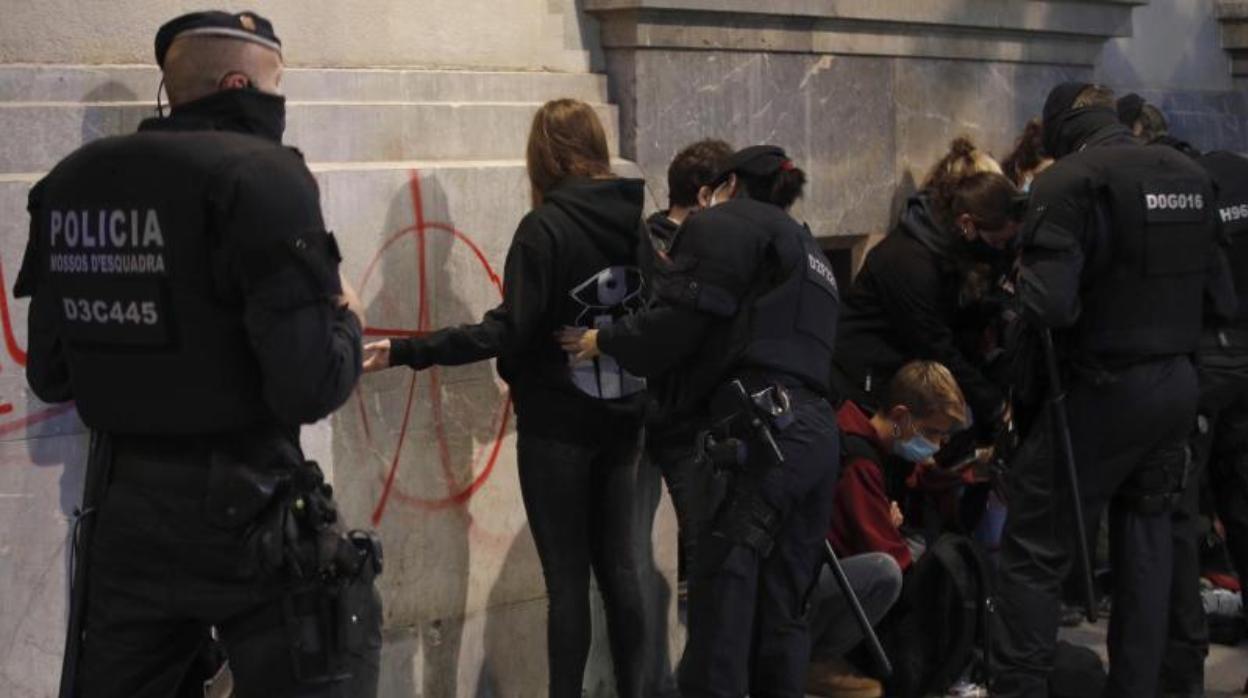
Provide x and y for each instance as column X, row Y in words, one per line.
column 1220, row 443
column 185, row 294
column 746, row 337
column 1120, row 249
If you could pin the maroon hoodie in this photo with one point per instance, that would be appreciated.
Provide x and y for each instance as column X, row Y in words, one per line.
column 862, row 521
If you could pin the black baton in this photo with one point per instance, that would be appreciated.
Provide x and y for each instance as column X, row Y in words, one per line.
column 1066, row 451
column 868, row 632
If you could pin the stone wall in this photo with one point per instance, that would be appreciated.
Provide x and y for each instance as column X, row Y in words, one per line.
column 866, row 96
column 514, row 34
column 1175, row 59
column 421, row 177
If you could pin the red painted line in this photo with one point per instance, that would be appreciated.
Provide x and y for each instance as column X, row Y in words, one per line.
column 6, row 408
column 485, row 263
column 394, row 463
column 35, row 418
column 10, row 339
column 464, row 496
column 418, row 208
column 487, row 462
column 392, row 332
column 390, row 488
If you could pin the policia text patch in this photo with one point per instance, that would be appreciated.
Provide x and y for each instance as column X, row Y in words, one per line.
column 108, row 268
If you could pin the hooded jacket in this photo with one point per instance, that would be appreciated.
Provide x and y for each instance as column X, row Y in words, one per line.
column 905, row 305
column 572, row 262
column 862, row 520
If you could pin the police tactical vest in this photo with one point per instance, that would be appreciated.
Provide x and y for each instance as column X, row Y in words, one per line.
column 131, row 250
column 1144, row 289
column 752, row 265
column 1230, row 172
column 793, row 324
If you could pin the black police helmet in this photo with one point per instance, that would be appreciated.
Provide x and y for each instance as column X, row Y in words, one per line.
column 246, row 26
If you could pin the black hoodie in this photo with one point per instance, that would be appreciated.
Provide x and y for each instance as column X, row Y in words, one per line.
column 905, row 304
column 572, row 262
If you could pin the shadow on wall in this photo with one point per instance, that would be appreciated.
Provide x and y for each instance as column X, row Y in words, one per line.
column 103, row 120
column 515, row 632
column 424, row 517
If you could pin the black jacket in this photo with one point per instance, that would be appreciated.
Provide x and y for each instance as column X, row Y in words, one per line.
column 218, row 311
column 572, row 262
column 908, row 302
column 1120, row 247
column 747, row 291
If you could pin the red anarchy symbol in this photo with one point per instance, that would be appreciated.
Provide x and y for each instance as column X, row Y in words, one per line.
column 421, row 231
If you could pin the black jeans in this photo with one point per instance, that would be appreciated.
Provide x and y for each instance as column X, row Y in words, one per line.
column 1120, row 431
column 161, row 572
column 748, row 611
column 580, row 500
column 696, row 490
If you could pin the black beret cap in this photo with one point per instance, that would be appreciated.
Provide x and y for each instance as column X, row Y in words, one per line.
column 246, row 26
column 1129, row 109
column 755, row 161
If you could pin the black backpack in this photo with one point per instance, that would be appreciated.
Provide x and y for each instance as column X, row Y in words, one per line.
column 939, row 627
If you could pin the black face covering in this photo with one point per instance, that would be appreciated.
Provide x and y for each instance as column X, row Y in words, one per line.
column 245, row 110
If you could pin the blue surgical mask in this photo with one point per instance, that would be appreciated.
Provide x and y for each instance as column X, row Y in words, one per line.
column 915, row 449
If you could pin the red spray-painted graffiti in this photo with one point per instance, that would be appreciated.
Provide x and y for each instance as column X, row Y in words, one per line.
column 12, row 421
column 459, row 491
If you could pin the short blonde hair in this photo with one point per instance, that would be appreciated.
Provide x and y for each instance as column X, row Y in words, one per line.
column 927, row 388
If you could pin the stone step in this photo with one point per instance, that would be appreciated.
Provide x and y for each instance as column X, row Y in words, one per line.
column 120, row 83
column 35, row 135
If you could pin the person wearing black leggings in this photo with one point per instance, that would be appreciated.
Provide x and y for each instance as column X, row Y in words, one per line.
column 572, row 263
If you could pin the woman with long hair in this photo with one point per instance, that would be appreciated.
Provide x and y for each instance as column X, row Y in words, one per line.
column 927, row 283
column 572, row 263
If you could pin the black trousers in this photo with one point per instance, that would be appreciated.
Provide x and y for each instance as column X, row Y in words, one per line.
column 748, row 612
column 1122, row 432
column 696, row 490
column 1221, row 452
column 161, row 572
column 581, row 499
